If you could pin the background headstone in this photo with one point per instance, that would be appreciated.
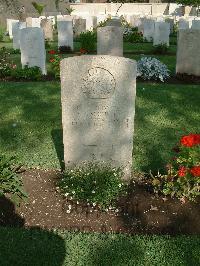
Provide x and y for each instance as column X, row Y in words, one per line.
column 32, row 47
column 188, row 56
column 161, row 33
column 79, row 26
column 29, row 22
column 65, row 33
column 183, row 24
column 195, row 24
column 16, row 33
column 10, row 23
column 98, row 106
column 148, row 29
column 47, row 26
column 110, row 40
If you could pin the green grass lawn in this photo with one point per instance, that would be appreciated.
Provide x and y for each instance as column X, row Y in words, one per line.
column 31, row 129
column 19, row 247
column 30, row 114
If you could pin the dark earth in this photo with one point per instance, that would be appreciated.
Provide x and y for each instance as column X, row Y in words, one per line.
column 140, row 212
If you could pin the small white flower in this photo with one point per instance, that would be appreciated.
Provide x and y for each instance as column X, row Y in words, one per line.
column 119, row 185
column 73, row 192
column 94, row 204
column 93, row 191
column 117, row 210
column 68, row 211
column 70, row 206
column 66, row 194
column 106, row 210
column 77, row 202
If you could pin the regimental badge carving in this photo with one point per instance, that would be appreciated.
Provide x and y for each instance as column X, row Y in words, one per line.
column 99, row 83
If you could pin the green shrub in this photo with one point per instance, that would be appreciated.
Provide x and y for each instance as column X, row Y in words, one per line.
column 5, row 63
column 55, row 63
column 93, row 183
column 47, row 45
column 183, row 176
column 88, row 40
column 160, row 48
column 27, row 73
column 2, row 31
column 10, row 182
column 132, row 35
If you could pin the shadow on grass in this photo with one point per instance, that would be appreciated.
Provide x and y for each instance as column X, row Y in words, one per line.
column 163, row 115
column 57, row 136
column 20, row 246
column 8, row 216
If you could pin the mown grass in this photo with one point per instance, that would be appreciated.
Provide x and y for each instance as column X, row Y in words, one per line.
column 30, row 114
column 33, row 247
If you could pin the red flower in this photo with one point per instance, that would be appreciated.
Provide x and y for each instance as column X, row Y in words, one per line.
column 83, row 51
column 190, row 140
column 182, row 171
column 195, row 171
column 52, row 52
column 52, row 60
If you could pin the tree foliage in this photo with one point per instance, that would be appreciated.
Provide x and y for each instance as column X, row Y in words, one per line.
column 38, row 7
column 189, row 2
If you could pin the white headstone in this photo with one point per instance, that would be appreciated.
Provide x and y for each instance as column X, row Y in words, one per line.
column 110, row 40
column 16, row 33
column 188, row 57
column 183, row 24
column 65, row 33
column 195, row 24
column 47, row 26
column 36, row 22
column 79, row 26
column 91, row 22
column 148, row 29
column 10, row 23
column 161, row 33
column 32, row 47
column 98, row 106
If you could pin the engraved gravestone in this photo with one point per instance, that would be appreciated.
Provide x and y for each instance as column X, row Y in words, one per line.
column 161, row 33
column 188, row 59
column 32, row 47
column 98, row 105
column 110, row 40
column 15, row 32
column 65, row 33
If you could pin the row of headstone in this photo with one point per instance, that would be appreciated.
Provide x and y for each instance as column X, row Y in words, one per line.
column 187, row 23
column 109, row 42
column 156, row 31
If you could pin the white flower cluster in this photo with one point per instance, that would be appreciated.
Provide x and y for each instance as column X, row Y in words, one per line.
column 149, row 68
